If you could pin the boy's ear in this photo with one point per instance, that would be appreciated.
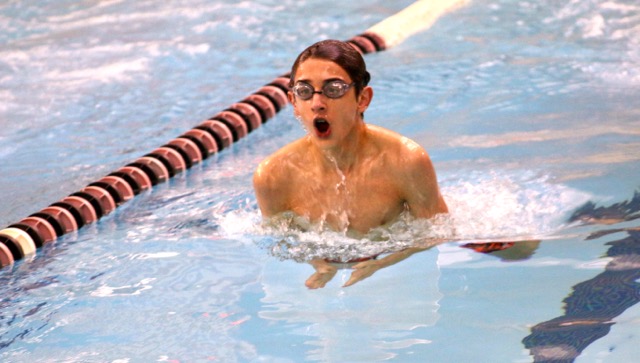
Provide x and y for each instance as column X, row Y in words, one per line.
column 365, row 99
column 292, row 99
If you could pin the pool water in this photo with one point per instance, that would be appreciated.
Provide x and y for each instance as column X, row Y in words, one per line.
column 528, row 109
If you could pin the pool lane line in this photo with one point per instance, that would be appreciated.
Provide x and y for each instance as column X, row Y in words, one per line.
column 209, row 137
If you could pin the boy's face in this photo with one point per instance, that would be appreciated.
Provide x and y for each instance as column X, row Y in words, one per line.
column 328, row 121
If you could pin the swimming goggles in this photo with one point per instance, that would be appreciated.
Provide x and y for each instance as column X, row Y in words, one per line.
column 332, row 89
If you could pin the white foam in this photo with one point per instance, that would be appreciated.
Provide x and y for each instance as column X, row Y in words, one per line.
column 497, row 205
column 483, row 206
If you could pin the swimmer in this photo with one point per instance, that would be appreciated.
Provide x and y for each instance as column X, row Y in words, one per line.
column 344, row 174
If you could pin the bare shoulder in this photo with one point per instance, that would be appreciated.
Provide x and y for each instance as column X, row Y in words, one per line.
column 274, row 174
column 280, row 163
column 415, row 173
column 402, row 151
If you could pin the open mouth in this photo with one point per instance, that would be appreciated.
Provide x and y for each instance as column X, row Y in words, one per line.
column 323, row 128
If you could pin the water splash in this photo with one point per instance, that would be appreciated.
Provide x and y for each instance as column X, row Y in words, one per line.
column 341, row 189
column 496, row 206
column 499, row 205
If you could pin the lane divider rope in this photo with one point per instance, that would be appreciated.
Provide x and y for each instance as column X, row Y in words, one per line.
column 102, row 197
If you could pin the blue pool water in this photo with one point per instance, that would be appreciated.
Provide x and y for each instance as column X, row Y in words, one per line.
column 528, row 109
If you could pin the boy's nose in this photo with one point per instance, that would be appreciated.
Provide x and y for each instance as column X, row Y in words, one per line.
column 318, row 102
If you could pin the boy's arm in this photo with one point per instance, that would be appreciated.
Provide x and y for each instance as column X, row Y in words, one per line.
column 270, row 191
column 420, row 185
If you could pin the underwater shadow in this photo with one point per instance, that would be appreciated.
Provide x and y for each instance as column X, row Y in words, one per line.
column 593, row 304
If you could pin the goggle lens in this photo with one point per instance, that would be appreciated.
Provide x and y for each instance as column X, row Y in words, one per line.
column 332, row 89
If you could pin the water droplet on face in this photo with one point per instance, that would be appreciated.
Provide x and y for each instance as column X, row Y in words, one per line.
column 299, row 118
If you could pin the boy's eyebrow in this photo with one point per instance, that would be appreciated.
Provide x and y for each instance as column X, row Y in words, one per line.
column 323, row 82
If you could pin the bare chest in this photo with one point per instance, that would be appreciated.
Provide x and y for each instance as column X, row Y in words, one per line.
column 357, row 202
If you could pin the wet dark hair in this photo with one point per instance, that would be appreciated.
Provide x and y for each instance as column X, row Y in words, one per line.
column 341, row 53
